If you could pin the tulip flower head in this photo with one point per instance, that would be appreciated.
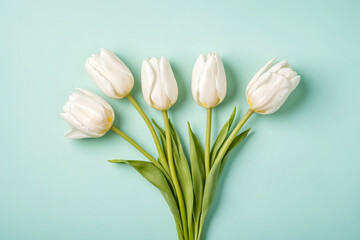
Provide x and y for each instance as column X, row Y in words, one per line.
column 158, row 83
column 270, row 87
column 89, row 115
column 208, row 80
column 111, row 75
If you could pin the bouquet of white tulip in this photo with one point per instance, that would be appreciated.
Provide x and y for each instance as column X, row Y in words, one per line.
column 187, row 182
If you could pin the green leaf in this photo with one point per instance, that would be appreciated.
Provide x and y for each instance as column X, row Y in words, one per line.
column 156, row 178
column 213, row 178
column 237, row 140
column 221, row 137
column 209, row 192
column 184, row 176
column 179, row 230
column 162, row 137
column 198, row 174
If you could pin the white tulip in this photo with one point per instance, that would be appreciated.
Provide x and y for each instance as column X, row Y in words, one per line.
column 111, row 75
column 271, row 86
column 208, row 80
column 158, row 83
column 89, row 115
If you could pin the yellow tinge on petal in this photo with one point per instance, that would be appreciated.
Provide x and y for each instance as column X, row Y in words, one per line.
column 250, row 103
column 270, row 87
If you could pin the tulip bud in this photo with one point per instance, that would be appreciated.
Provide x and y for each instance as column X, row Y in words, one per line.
column 158, row 83
column 111, row 75
column 89, row 115
column 208, row 80
column 271, row 86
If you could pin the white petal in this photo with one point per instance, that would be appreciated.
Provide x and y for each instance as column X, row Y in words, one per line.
column 74, row 96
column 93, row 112
column 168, row 80
column 117, row 73
column 76, row 124
column 86, row 108
column 67, row 117
column 111, row 62
column 147, row 80
column 286, row 72
column 294, row 82
column 66, row 107
column 270, row 90
column 208, row 95
column 270, row 96
column 96, row 97
column 76, row 134
column 111, row 75
column 220, row 79
column 278, row 66
column 100, row 80
column 88, row 114
column 159, row 100
column 260, row 72
column 196, row 73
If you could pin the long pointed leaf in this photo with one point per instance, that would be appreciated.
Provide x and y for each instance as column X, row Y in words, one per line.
column 179, row 230
column 221, row 137
column 184, row 176
column 162, row 137
column 156, row 178
column 209, row 192
column 213, row 178
column 198, row 175
column 237, row 140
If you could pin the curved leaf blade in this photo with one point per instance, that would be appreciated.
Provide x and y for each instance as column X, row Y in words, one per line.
column 221, row 137
column 237, row 140
column 162, row 137
column 184, row 176
column 156, row 178
column 198, row 175
column 213, row 178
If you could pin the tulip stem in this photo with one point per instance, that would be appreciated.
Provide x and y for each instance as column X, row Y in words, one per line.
column 232, row 136
column 137, row 146
column 173, row 174
column 162, row 158
column 178, row 229
column 207, row 140
column 224, row 149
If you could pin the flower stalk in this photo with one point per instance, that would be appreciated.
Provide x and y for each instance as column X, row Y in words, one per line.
column 232, row 136
column 207, row 140
column 140, row 149
column 173, row 174
column 188, row 189
column 162, row 158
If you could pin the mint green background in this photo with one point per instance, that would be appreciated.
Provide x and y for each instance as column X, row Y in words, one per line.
column 296, row 177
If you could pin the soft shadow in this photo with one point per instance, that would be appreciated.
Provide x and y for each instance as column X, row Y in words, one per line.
column 183, row 90
column 221, row 183
column 232, row 83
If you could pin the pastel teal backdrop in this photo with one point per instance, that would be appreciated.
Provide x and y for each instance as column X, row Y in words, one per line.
column 297, row 176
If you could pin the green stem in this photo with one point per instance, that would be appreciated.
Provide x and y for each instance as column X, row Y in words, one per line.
column 179, row 231
column 145, row 153
column 233, row 134
column 223, row 151
column 162, row 158
column 207, row 140
column 173, row 174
